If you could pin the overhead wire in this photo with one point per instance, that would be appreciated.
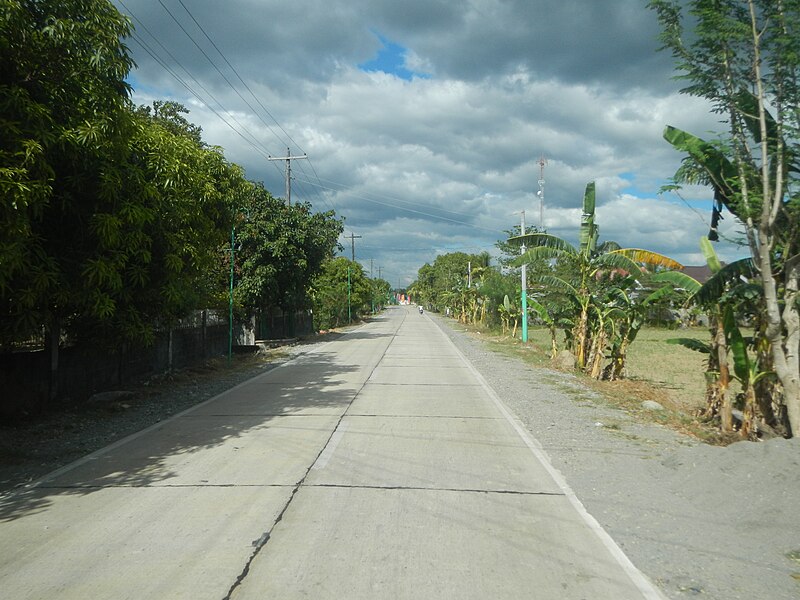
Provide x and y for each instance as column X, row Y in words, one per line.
column 243, row 82
column 411, row 210
column 146, row 47
column 253, row 141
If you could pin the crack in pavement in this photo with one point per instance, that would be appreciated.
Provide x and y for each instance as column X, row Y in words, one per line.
column 261, row 542
column 432, row 489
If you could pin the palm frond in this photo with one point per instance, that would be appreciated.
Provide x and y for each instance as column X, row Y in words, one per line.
column 678, row 280
column 650, row 258
column 534, row 240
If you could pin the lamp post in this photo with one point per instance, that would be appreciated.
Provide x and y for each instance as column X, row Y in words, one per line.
column 349, row 313
column 524, row 287
column 230, row 312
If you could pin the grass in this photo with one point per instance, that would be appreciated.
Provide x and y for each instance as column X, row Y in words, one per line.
column 666, row 373
column 670, row 367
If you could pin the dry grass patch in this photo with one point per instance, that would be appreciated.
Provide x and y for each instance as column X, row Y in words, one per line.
column 665, row 373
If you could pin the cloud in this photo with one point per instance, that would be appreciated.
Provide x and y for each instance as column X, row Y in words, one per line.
column 429, row 164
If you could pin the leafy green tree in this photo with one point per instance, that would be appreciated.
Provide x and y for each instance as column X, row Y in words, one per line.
column 380, row 293
column 281, row 249
column 65, row 118
column 111, row 217
column 340, row 293
column 743, row 56
column 446, row 284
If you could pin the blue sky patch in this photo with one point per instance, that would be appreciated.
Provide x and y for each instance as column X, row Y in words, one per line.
column 391, row 59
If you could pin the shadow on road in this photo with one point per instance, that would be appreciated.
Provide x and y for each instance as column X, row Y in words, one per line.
column 268, row 410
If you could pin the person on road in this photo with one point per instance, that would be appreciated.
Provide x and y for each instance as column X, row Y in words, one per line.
column 420, row 309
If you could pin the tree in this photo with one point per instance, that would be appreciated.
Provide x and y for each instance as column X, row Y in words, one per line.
column 446, row 284
column 743, row 56
column 281, row 249
column 65, row 121
column 340, row 293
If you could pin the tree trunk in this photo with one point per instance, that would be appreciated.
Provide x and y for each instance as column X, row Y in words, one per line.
column 597, row 356
column 581, row 334
column 748, row 430
column 724, row 381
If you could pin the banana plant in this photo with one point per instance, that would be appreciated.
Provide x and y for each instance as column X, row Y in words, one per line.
column 727, row 288
column 589, row 271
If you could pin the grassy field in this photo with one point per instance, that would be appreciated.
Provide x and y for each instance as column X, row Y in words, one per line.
column 667, row 373
column 675, row 370
column 670, row 367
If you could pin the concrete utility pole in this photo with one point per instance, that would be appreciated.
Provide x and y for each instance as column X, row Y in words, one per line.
column 288, row 158
column 353, row 239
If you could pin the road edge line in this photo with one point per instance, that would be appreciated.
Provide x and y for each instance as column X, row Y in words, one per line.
column 639, row 579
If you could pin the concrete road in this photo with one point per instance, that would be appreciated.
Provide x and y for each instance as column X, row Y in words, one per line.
column 379, row 466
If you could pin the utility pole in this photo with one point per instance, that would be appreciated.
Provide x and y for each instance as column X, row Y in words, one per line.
column 540, row 193
column 288, row 158
column 353, row 239
column 469, row 274
column 524, row 287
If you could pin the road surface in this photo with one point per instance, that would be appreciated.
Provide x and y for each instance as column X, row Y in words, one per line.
column 380, row 465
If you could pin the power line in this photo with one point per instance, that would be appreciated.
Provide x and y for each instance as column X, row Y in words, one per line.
column 419, row 212
column 252, row 141
column 244, row 83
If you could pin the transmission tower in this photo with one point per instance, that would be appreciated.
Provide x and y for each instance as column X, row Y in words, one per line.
column 542, row 162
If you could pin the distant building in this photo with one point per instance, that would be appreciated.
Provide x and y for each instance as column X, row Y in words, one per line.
column 701, row 274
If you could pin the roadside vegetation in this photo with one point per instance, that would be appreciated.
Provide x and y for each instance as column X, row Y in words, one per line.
column 593, row 299
column 118, row 221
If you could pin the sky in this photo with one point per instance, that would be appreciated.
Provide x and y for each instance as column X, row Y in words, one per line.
column 428, row 123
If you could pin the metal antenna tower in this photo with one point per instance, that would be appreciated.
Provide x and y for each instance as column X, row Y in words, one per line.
column 542, row 162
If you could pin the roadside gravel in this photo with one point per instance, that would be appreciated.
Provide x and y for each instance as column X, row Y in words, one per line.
column 701, row 521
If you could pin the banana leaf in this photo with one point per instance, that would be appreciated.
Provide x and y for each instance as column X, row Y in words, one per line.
column 535, row 240
column 537, row 253
column 649, row 258
column 555, row 283
column 691, row 344
column 712, row 260
column 738, row 346
column 678, row 280
column 540, row 310
column 713, row 290
column 616, row 260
